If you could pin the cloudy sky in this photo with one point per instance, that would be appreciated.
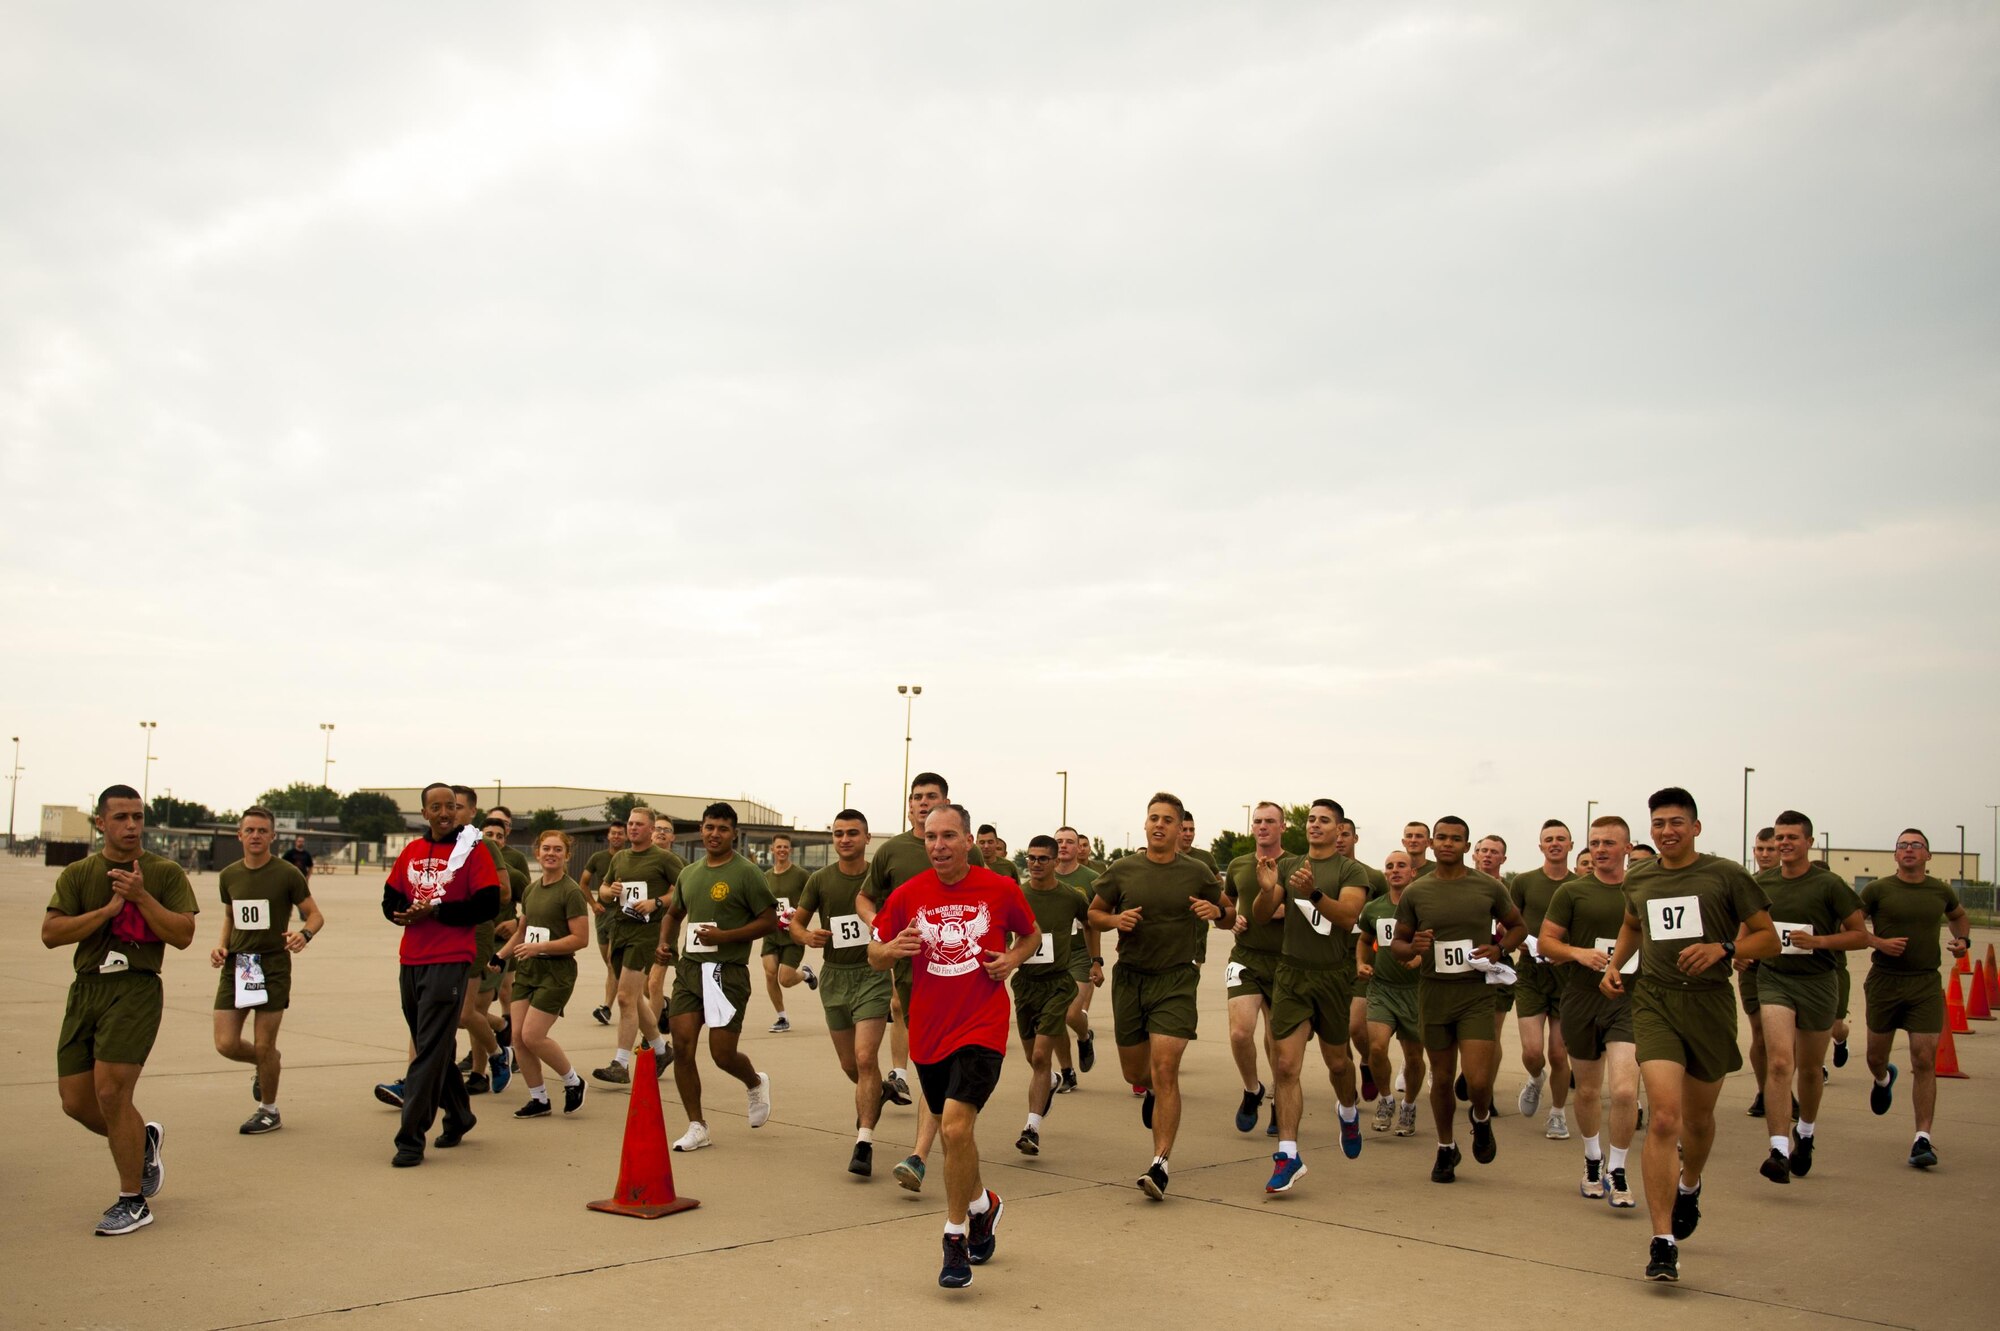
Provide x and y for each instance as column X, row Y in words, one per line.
column 1481, row 409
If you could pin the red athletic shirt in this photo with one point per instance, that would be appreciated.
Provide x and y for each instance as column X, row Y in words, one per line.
column 952, row 1002
column 420, row 874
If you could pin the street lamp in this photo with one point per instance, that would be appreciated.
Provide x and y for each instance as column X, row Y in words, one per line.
column 1064, row 774
column 1962, row 879
column 1589, row 810
column 909, row 692
column 146, row 781
column 843, row 793
column 1996, row 850
column 326, row 762
column 499, row 791
column 1246, row 820
column 14, row 789
column 1746, row 816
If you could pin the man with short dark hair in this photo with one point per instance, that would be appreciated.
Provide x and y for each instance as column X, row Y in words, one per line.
column 1044, row 985
column 784, row 960
column 1538, row 993
column 1073, row 872
column 1252, row 969
column 854, row 995
column 300, row 858
column 1417, row 845
column 119, row 908
column 1764, row 855
column 951, row 923
column 638, row 884
column 594, row 870
column 1392, row 1002
column 1345, row 837
column 1687, row 915
column 994, row 851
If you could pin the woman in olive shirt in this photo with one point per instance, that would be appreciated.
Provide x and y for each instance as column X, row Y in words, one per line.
column 555, row 926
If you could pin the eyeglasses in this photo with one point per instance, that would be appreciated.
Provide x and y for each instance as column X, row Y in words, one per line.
column 1040, row 859
column 1911, row 845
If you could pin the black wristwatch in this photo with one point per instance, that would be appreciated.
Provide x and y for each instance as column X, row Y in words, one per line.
column 1315, row 896
column 1728, row 949
column 305, row 933
column 1097, row 961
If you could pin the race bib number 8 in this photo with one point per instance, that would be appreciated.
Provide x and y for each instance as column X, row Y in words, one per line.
column 690, row 944
column 847, row 930
column 1673, row 917
column 535, row 933
column 1044, row 955
column 1609, row 946
column 252, row 915
column 1451, row 958
column 1785, row 932
column 1385, row 932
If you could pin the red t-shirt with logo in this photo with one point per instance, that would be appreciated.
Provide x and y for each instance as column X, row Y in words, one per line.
column 953, row 1003
column 423, row 873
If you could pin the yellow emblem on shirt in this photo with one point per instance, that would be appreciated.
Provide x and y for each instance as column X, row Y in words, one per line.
column 719, row 892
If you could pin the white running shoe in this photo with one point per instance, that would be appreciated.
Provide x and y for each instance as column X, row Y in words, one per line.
column 1558, row 1129
column 694, row 1138
column 1385, row 1113
column 760, row 1101
column 1531, row 1098
column 1406, row 1119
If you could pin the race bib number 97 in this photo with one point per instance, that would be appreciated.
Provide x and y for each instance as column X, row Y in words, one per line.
column 1673, row 917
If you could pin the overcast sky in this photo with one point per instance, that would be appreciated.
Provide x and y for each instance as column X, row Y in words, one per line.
column 1476, row 409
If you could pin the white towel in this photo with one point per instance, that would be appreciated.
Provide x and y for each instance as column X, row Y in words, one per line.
column 716, row 1009
column 251, row 990
column 1497, row 972
column 468, row 837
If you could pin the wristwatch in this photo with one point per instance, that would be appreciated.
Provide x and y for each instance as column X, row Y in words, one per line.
column 1728, row 949
column 305, row 933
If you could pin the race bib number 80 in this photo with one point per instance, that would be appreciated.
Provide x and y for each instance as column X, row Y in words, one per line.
column 252, row 915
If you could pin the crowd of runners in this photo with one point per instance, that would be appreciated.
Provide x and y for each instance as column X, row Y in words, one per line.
column 1624, row 964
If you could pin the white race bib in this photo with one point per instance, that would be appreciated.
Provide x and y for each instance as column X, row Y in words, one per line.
column 631, row 894
column 1232, row 974
column 1673, row 917
column 784, row 906
column 1045, row 954
column 1075, row 928
column 251, row 990
column 113, row 961
column 1785, row 932
column 689, row 943
column 847, row 931
column 1385, row 931
column 1451, row 957
column 1318, row 922
column 251, row 916
column 1609, row 947
column 534, row 933
column 1534, row 947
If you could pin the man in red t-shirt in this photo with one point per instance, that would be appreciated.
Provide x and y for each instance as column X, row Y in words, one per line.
column 442, row 886
column 952, row 921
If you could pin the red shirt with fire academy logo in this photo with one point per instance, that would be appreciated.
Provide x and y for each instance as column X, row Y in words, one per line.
column 953, row 1003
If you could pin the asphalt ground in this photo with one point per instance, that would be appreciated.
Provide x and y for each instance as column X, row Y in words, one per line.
column 310, row 1227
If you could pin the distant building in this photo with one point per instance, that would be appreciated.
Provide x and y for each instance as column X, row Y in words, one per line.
column 1862, row 867
column 64, row 822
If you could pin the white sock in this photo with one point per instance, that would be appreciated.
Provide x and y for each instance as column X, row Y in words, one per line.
column 1592, row 1150
column 1806, row 1130
column 1882, row 1080
column 1481, row 1118
column 979, row 1205
column 1684, row 1190
column 1035, row 1122
column 1617, row 1159
column 1447, row 1146
column 864, row 1135
column 1161, row 1161
column 1921, row 1137
column 574, row 1078
column 540, row 1093
column 1348, row 1113
column 269, row 1109
column 621, row 1057
column 961, row 1230
column 659, row 1043
column 900, row 1074
column 1289, row 1148
column 1668, row 1237
column 1782, row 1145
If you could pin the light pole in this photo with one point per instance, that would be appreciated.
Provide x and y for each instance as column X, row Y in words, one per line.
column 843, row 793
column 1745, row 861
column 1589, row 810
column 909, row 692
column 1996, row 849
column 146, row 781
column 499, row 791
column 1064, row 774
column 1246, row 820
column 326, row 761
column 13, row 789
column 1962, row 879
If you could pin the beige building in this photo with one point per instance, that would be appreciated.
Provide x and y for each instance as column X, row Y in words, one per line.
column 65, row 822
column 1862, row 867
column 585, row 804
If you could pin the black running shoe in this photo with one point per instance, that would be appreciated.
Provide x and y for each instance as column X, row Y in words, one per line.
column 1029, row 1142
column 257, row 1087
column 1664, row 1262
column 1154, row 1182
column 573, row 1096
column 1756, row 1109
column 601, row 1015
column 477, row 1084
column 451, row 1137
column 1840, row 1053
column 1484, row 1148
column 1146, row 1110
column 1446, row 1168
column 535, row 1109
column 506, row 1033
column 1271, row 1128
column 895, row 1090
column 1922, row 1154
column 862, row 1163
column 1802, row 1157
column 153, row 1171
column 465, row 1066
column 1367, row 1084
column 1776, row 1167
column 1687, row 1211
column 957, row 1272
column 1247, row 1112
column 1881, row 1096
column 980, row 1242
column 1086, row 1052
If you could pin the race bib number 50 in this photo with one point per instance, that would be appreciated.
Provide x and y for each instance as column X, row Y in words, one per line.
column 1451, row 957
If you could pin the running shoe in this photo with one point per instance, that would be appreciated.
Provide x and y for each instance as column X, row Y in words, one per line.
column 862, row 1163
column 1883, row 1094
column 1406, row 1119
column 1530, row 1098
column 1154, row 1182
column 1620, row 1191
column 1446, row 1168
column 1368, row 1091
column 154, row 1171
column 781, row 1025
column 1687, row 1211
column 694, row 1139
column 503, row 1071
column 1271, row 1128
column 1385, row 1114
column 1558, row 1128
column 535, row 1109
column 261, row 1122
column 125, row 1215
column 1029, row 1142
column 573, row 1096
column 807, row 974
column 1593, row 1179
column 390, row 1093
column 895, row 1090
column 910, row 1173
column 1247, row 1112
column 1484, row 1147
column 477, row 1084
column 1840, row 1053
column 601, row 1015
column 1086, row 1051
column 1801, row 1161
column 1146, row 1110
column 979, row 1248
column 1285, row 1171
column 1350, row 1134
column 451, row 1136
column 1664, row 1261
column 1756, row 1109
column 616, row 1073
column 760, row 1101
column 957, row 1272
column 1776, row 1167
column 1922, row 1154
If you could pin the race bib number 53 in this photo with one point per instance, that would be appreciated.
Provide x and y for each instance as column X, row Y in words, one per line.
column 847, row 930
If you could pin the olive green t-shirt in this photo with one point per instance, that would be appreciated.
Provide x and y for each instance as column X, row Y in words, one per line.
column 1915, row 911
column 786, row 887
column 1006, row 868
column 1378, row 925
column 1081, row 878
column 1311, row 941
column 1206, row 857
column 1460, row 913
column 647, row 875
column 86, row 886
column 1532, row 889
column 1058, row 909
column 1590, row 912
column 1815, row 903
column 831, row 893
column 596, row 867
column 898, row 860
column 1704, row 902
column 1169, row 931
column 259, row 902
column 728, row 895
column 546, row 910
column 1241, row 888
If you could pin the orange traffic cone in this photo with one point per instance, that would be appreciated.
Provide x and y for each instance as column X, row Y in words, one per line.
column 645, row 1166
column 1992, row 972
column 1964, row 966
column 1947, row 1058
column 1979, row 1001
column 1954, row 1008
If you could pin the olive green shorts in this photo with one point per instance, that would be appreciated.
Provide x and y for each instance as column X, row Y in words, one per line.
column 545, row 984
column 1693, row 1027
column 1503, row 997
column 686, row 997
column 1590, row 1023
column 1250, row 972
column 1539, row 994
column 277, row 983
column 1395, row 1006
column 1079, row 959
column 634, row 952
column 1041, row 1004
column 1454, row 1011
column 1913, row 1003
column 1846, row 987
column 1746, row 987
column 1147, row 1003
column 109, row 1019
column 853, row 994
column 1812, row 998
column 1319, row 998
column 787, row 952
column 605, row 918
